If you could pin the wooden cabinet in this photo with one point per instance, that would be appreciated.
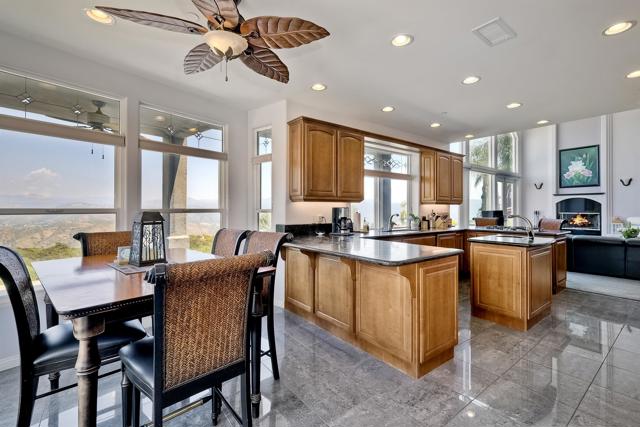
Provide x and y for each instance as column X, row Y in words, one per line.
column 453, row 241
column 511, row 285
column 326, row 162
column 560, row 264
column 421, row 240
column 441, row 178
column 350, row 166
column 404, row 315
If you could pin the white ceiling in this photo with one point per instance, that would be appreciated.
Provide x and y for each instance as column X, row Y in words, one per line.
column 559, row 66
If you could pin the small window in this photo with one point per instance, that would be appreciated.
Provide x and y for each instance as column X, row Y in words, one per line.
column 263, row 174
column 45, row 102
column 480, row 152
column 160, row 126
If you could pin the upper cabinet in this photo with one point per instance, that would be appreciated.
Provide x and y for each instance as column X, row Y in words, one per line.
column 326, row 162
column 440, row 178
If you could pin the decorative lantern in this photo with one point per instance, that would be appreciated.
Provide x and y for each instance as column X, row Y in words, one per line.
column 147, row 239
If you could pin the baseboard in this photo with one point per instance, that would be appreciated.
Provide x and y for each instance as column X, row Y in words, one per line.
column 9, row 362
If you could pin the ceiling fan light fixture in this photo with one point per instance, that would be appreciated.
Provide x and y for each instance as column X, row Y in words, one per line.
column 618, row 28
column 401, row 40
column 318, row 87
column 99, row 16
column 226, row 43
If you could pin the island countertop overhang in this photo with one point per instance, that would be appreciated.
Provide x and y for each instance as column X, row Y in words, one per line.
column 380, row 252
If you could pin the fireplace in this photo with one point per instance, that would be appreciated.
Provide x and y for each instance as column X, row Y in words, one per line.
column 582, row 215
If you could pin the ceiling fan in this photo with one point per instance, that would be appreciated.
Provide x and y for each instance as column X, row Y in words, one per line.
column 230, row 36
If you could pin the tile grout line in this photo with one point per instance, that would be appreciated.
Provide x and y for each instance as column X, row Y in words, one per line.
column 597, row 372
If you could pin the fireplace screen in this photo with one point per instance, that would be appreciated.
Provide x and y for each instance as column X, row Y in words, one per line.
column 581, row 220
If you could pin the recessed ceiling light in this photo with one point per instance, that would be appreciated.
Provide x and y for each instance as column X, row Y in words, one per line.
column 435, row 125
column 402, row 40
column 543, row 122
column 634, row 74
column 618, row 28
column 469, row 136
column 193, row 129
column 318, row 87
column 513, row 105
column 159, row 118
column 388, row 109
column 99, row 16
column 471, row 80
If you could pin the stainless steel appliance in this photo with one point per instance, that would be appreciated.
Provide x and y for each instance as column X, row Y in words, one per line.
column 341, row 221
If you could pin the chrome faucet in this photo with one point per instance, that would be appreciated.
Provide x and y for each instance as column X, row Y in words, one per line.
column 390, row 222
column 529, row 223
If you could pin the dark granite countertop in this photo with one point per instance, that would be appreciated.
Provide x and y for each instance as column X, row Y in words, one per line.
column 546, row 233
column 379, row 234
column 380, row 252
column 513, row 241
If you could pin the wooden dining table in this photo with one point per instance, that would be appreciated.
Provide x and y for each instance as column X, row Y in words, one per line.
column 91, row 293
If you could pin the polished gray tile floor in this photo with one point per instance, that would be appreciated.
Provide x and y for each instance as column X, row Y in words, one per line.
column 612, row 286
column 578, row 367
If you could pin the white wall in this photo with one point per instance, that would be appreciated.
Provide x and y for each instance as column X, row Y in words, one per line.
column 38, row 61
column 618, row 137
column 537, row 168
column 626, row 163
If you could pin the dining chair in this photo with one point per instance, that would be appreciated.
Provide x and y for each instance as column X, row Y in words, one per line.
column 103, row 243
column 55, row 349
column 201, row 312
column 227, row 242
column 484, row 222
column 260, row 241
column 551, row 224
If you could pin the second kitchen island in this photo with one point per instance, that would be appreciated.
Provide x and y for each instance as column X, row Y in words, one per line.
column 397, row 301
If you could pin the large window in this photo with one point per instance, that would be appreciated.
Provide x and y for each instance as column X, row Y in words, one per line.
column 388, row 186
column 182, row 175
column 263, row 178
column 492, row 165
column 57, row 167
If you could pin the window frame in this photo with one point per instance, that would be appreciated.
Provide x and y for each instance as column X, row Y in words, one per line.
column 379, row 222
column 256, row 162
column 496, row 174
column 164, row 148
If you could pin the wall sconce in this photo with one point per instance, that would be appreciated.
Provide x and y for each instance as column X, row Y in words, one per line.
column 538, row 186
column 626, row 184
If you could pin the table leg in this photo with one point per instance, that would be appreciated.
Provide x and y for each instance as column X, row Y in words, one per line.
column 256, row 338
column 86, row 330
column 52, row 320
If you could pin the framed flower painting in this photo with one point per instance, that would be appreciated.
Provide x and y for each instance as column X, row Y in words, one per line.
column 580, row 167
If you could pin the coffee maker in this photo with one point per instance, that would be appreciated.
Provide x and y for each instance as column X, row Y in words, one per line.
column 340, row 221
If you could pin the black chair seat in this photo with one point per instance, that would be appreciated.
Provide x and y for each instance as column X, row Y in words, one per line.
column 56, row 348
column 137, row 359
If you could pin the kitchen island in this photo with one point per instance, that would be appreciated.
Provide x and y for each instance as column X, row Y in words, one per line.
column 397, row 301
column 511, row 279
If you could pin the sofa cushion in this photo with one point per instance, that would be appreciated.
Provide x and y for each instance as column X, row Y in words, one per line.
column 602, row 240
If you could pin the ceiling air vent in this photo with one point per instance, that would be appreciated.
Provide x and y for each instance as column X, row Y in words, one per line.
column 494, row 32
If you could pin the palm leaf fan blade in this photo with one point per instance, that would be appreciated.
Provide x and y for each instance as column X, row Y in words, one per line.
column 229, row 11
column 155, row 20
column 208, row 8
column 200, row 58
column 266, row 63
column 277, row 32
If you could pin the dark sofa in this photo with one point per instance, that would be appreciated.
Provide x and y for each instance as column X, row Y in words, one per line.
column 633, row 259
column 604, row 255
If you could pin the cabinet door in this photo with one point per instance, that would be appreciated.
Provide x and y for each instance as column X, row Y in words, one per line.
column 449, row 240
column 350, row 166
column 540, row 278
column 561, row 263
column 428, row 177
column 443, row 182
column 296, row 138
column 456, row 180
column 320, row 161
column 422, row 240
